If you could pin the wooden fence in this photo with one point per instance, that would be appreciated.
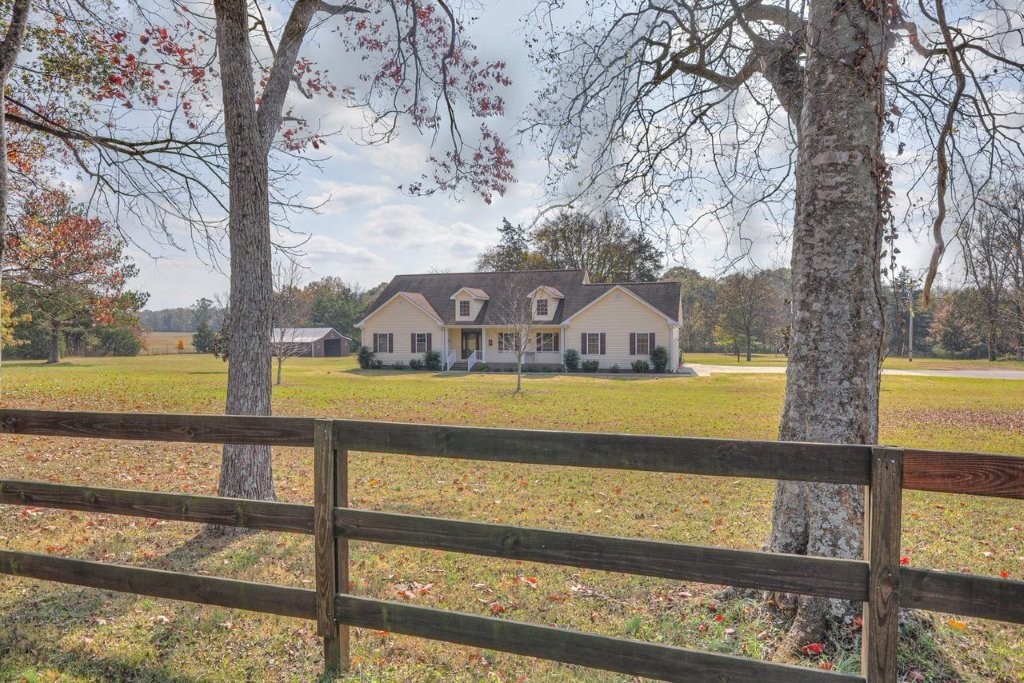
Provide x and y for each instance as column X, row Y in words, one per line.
column 879, row 580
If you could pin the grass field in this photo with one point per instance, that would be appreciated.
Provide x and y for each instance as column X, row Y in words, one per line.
column 52, row 632
column 892, row 363
column 163, row 343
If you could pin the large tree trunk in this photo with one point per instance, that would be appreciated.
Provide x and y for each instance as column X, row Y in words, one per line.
column 246, row 471
column 837, row 330
column 10, row 48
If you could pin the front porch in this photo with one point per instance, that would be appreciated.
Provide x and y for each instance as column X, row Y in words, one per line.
column 465, row 347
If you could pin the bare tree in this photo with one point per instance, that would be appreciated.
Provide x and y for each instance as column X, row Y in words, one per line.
column 289, row 310
column 697, row 112
column 992, row 246
column 987, row 265
column 517, row 315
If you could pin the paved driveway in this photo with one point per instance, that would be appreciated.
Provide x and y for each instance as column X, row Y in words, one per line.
column 708, row 370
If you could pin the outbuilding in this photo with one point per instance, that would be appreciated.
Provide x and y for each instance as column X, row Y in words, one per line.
column 316, row 342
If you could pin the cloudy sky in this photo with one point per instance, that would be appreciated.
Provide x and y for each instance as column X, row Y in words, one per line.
column 367, row 230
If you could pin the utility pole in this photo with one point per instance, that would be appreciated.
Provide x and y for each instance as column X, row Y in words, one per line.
column 910, row 307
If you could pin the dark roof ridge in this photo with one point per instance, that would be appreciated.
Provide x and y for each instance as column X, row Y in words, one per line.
column 498, row 272
column 633, row 282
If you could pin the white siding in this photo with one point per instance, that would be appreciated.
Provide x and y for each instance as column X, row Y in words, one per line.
column 401, row 318
column 617, row 315
column 543, row 358
column 474, row 308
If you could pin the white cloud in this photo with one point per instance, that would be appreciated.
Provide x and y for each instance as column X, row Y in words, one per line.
column 338, row 197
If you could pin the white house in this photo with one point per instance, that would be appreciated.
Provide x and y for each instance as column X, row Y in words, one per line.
column 466, row 318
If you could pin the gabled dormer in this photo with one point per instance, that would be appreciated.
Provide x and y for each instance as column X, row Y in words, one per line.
column 468, row 302
column 544, row 302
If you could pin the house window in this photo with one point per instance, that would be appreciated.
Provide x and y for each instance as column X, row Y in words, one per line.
column 547, row 341
column 464, row 309
column 508, row 342
column 592, row 344
column 419, row 342
column 542, row 308
column 641, row 343
column 383, row 342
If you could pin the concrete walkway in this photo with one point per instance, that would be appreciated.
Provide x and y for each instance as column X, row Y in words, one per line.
column 708, row 370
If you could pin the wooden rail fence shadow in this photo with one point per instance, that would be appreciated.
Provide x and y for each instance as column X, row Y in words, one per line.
column 878, row 580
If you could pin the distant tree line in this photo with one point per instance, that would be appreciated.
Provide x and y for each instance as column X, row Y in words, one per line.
column 601, row 243
column 328, row 302
column 749, row 312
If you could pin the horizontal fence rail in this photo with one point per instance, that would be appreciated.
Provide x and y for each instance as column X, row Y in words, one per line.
column 829, row 463
column 976, row 474
column 563, row 645
column 179, row 507
column 880, row 582
column 157, row 583
column 939, row 471
column 571, row 647
column 748, row 569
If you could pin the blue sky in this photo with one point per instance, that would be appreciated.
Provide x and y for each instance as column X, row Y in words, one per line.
column 367, row 230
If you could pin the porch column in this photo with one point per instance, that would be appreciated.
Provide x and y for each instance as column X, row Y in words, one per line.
column 483, row 345
column 444, row 345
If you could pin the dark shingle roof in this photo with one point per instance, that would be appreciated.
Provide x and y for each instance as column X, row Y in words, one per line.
column 437, row 289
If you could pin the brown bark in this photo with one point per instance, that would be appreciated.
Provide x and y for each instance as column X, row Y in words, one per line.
column 837, row 330
column 54, row 343
column 10, row 48
column 246, row 471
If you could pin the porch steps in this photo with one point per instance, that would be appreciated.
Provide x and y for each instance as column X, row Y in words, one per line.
column 459, row 366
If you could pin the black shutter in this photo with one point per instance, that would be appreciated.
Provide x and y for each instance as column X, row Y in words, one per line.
column 412, row 343
column 632, row 343
column 391, row 342
column 602, row 343
column 556, row 336
column 430, row 342
column 650, row 342
column 583, row 344
column 539, row 339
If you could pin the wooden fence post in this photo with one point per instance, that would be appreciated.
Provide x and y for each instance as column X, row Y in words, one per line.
column 882, row 523
column 330, row 490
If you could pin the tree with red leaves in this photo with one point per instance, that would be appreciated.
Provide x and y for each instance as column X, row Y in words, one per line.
column 420, row 68
column 66, row 267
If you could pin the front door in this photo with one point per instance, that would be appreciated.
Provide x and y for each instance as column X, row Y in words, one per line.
column 470, row 342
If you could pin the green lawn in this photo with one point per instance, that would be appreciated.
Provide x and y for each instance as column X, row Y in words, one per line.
column 52, row 632
column 892, row 363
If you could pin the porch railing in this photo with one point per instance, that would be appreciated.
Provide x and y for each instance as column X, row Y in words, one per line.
column 472, row 360
column 449, row 361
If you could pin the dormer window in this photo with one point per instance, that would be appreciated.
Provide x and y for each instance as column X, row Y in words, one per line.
column 464, row 308
column 542, row 308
